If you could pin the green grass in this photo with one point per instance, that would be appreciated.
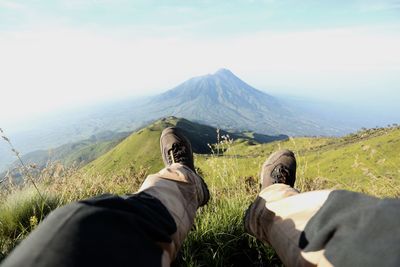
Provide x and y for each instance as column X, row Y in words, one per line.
column 367, row 161
column 89, row 152
column 218, row 238
column 20, row 213
column 140, row 149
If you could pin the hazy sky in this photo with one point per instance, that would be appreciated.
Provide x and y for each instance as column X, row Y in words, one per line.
column 62, row 53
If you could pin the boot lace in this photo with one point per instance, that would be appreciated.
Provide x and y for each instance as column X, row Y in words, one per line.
column 177, row 153
column 280, row 174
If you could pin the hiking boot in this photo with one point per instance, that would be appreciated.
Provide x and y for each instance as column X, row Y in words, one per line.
column 176, row 148
column 280, row 167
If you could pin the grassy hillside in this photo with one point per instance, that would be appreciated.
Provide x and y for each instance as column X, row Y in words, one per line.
column 141, row 149
column 367, row 161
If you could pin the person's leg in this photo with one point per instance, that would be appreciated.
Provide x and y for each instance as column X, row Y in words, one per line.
column 177, row 186
column 143, row 229
column 279, row 214
column 181, row 191
column 324, row 228
column 103, row 231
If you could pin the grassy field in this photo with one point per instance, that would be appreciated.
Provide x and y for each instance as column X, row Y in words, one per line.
column 366, row 161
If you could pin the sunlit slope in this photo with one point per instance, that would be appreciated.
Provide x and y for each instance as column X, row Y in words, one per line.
column 367, row 158
column 141, row 149
column 367, row 161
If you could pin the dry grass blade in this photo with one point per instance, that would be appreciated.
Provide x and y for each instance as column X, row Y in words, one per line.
column 24, row 167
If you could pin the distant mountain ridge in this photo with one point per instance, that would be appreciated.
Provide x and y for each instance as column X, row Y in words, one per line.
column 223, row 100
column 71, row 154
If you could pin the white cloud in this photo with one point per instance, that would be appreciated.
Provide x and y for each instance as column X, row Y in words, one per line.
column 11, row 4
column 84, row 4
column 44, row 70
column 373, row 5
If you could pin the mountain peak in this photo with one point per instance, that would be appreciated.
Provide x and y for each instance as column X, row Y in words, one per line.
column 224, row 71
column 223, row 100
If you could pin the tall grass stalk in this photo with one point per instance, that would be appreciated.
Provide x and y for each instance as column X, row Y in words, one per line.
column 24, row 167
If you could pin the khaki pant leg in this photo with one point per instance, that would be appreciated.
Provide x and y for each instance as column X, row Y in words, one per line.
column 279, row 215
column 180, row 190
